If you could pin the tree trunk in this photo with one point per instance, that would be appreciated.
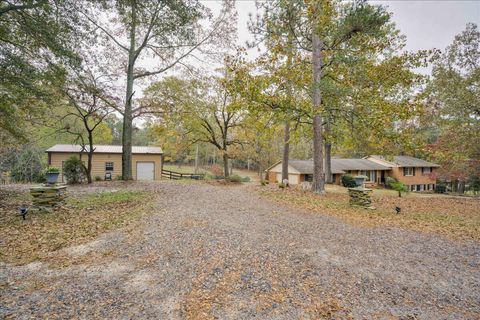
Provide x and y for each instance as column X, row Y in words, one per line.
column 225, row 165
column 328, row 162
column 262, row 175
column 286, row 151
column 454, row 185
column 196, row 159
column 461, row 186
column 286, row 142
column 318, row 185
column 90, row 157
column 127, row 115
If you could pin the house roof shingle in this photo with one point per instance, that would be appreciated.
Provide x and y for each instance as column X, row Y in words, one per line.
column 306, row 166
column 358, row 164
column 104, row 149
column 339, row 166
column 407, row 161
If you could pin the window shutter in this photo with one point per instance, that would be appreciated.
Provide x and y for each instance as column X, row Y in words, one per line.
column 422, row 170
column 404, row 171
column 414, row 171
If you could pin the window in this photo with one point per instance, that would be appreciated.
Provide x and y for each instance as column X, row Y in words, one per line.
column 364, row 173
column 373, row 176
column 419, row 187
column 108, row 166
column 408, row 171
column 426, row 170
column 412, row 187
column 309, row 177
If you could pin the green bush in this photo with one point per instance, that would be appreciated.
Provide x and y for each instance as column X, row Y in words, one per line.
column 281, row 185
column 118, row 177
column 263, row 182
column 235, row 178
column 74, row 170
column 98, row 178
column 348, row 181
column 246, row 179
column 440, row 188
column 52, row 170
column 474, row 184
column 399, row 187
column 25, row 164
column 389, row 181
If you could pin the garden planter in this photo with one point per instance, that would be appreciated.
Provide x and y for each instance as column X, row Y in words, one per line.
column 52, row 177
column 359, row 180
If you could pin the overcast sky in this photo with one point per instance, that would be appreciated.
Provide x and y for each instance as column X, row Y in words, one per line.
column 427, row 24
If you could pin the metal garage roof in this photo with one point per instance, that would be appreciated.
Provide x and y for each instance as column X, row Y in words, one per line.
column 104, row 149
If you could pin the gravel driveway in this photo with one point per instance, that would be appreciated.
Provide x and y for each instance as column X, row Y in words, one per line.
column 213, row 252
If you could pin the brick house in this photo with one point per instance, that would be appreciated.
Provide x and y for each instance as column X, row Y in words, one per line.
column 415, row 173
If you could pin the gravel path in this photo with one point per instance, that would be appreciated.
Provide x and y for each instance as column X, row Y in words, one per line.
column 211, row 252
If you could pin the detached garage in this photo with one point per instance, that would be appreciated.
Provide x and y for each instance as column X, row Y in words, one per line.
column 146, row 161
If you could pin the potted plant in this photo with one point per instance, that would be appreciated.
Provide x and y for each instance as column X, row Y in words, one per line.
column 359, row 180
column 52, row 174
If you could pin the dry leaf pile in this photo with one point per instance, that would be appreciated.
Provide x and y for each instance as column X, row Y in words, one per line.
column 454, row 217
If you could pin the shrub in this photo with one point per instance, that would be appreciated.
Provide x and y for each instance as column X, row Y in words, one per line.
column 25, row 164
column 98, row 178
column 246, row 179
column 235, row 178
column 474, row 184
column 263, row 183
column 52, row 170
column 440, row 188
column 281, row 185
column 118, row 177
column 399, row 187
column 348, row 181
column 389, row 181
column 74, row 170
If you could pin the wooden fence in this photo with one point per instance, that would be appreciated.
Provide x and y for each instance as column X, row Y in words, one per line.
column 179, row 175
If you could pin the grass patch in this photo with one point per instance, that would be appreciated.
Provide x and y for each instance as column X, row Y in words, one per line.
column 455, row 218
column 105, row 198
column 82, row 219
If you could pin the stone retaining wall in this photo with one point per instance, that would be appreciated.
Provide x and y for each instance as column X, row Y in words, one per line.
column 360, row 197
column 47, row 197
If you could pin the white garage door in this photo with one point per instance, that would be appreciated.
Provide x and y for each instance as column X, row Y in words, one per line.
column 145, row 170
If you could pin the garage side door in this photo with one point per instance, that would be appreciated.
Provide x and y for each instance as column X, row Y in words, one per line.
column 145, row 170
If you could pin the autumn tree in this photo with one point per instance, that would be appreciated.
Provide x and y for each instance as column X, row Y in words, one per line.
column 89, row 103
column 169, row 31
column 454, row 105
column 200, row 111
column 273, row 29
column 326, row 34
column 35, row 45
